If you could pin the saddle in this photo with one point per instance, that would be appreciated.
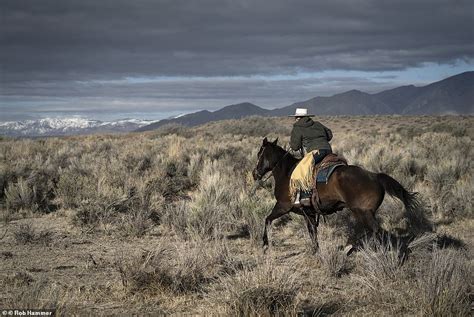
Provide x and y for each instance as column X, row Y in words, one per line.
column 321, row 174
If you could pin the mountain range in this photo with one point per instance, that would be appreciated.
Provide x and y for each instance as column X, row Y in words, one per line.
column 68, row 126
column 453, row 95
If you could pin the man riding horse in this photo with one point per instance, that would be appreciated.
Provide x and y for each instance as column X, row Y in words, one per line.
column 311, row 139
column 349, row 186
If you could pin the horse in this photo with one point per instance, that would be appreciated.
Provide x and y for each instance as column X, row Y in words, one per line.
column 349, row 186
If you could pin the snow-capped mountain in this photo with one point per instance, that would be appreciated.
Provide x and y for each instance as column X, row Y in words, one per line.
column 68, row 126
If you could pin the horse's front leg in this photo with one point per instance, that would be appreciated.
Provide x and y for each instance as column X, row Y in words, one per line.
column 312, row 223
column 277, row 211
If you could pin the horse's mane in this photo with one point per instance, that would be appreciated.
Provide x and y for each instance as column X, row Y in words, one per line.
column 282, row 150
column 288, row 157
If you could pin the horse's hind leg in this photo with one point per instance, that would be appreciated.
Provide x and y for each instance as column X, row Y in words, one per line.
column 370, row 222
column 277, row 211
column 367, row 222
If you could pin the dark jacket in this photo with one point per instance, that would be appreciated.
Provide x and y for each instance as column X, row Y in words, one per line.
column 310, row 135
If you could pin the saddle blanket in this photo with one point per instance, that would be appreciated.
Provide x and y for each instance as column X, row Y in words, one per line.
column 324, row 173
column 327, row 166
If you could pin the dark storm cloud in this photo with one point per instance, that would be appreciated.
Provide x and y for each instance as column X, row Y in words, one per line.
column 50, row 48
column 57, row 40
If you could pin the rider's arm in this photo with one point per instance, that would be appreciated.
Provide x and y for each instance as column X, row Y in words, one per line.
column 328, row 133
column 295, row 140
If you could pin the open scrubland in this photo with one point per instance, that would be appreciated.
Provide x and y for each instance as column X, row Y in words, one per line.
column 168, row 222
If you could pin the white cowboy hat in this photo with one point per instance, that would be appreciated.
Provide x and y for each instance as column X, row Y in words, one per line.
column 301, row 112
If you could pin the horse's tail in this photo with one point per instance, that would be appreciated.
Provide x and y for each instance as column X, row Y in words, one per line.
column 395, row 189
column 414, row 210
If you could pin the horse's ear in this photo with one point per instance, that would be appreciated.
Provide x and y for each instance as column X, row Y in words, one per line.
column 265, row 141
column 276, row 141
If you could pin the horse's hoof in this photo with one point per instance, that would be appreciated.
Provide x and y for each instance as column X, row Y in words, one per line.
column 314, row 249
column 349, row 249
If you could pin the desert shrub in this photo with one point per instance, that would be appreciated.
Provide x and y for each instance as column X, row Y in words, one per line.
column 44, row 182
column 446, row 187
column 41, row 294
column 143, row 210
column 73, row 186
column 422, row 243
column 34, row 192
column 264, row 289
column 18, row 279
column 445, row 285
column 169, row 129
column 176, row 268
column 175, row 217
column 215, row 202
column 381, row 263
column 172, row 180
column 254, row 210
column 21, row 196
column 194, row 167
column 453, row 128
column 103, row 206
column 138, row 163
column 333, row 260
column 136, row 222
column 26, row 234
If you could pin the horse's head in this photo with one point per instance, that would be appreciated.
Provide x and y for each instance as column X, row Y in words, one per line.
column 267, row 159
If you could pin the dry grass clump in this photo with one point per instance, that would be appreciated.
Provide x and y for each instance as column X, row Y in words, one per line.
column 219, row 207
column 334, row 261
column 214, row 204
column 210, row 210
column 429, row 282
column 445, row 284
column 266, row 289
column 381, row 262
column 175, row 268
column 20, row 196
column 18, row 279
column 253, row 213
column 26, row 234
column 41, row 294
column 446, row 186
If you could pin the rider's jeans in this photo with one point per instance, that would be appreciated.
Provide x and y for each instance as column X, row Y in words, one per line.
column 318, row 157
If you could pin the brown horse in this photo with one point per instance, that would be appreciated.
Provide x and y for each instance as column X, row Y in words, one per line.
column 348, row 187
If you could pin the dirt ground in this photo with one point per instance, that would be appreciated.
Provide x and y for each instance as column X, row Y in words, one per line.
column 83, row 267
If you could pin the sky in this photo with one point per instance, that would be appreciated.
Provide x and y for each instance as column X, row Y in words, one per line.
column 110, row 59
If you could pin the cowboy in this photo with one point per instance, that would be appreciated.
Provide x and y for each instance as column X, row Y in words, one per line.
column 311, row 138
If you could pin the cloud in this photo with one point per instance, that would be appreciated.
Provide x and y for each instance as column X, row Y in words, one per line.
column 104, row 39
column 50, row 47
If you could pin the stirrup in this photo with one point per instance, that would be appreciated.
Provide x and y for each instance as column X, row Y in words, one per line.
column 297, row 202
column 305, row 201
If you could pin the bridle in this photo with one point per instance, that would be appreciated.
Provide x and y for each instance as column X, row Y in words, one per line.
column 260, row 182
column 276, row 164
